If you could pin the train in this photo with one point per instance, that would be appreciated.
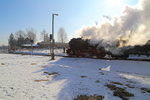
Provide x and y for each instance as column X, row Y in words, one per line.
column 82, row 48
column 86, row 53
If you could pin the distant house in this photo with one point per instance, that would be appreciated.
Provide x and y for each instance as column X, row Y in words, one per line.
column 28, row 41
column 29, row 46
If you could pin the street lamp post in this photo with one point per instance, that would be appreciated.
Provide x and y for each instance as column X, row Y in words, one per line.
column 53, row 40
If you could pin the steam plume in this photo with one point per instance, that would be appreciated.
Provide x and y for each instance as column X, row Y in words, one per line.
column 131, row 28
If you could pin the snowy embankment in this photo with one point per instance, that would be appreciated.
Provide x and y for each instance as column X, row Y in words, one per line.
column 59, row 52
column 139, row 57
column 3, row 50
column 37, row 78
column 44, row 52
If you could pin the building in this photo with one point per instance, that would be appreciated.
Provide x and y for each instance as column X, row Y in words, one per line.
column 57, row 45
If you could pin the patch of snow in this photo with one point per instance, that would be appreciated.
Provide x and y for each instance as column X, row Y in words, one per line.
column 140, row 79
column 106, row 68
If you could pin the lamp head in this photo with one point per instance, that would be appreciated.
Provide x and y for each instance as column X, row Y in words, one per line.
column 56, row 14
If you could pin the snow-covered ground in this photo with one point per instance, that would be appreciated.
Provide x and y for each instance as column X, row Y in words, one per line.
column 27, row 77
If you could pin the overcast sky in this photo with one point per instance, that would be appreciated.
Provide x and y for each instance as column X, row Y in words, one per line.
column 73, row 14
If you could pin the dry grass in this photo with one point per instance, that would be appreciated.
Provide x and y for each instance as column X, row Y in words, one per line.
column 120, row 92
column 97, row 81
column 45, row 72
column 92, row 97
column 145, row 90
column 101, row 73
column 44, row 66
column 100, row 69
column 129, row 86
column 83, row 76
column 2, row 64
column 33, row 63
column 41, row 80
column 118, row 83
column 123, row 94
column 52, row 73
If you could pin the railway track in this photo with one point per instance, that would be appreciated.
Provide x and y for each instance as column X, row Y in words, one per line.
column 148, row 60
column 111, row 58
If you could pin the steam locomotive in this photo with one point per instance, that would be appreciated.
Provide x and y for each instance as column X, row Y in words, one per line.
column 86, row 53
column 82, row 48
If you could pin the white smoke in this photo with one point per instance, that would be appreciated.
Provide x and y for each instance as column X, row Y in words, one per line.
column 131, row 28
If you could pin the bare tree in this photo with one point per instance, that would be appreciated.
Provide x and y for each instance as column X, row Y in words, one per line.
column 20, row 37
column 31, row 34
column 12, row 42
column 62, row 35
column 19, row 34
column 44, row 36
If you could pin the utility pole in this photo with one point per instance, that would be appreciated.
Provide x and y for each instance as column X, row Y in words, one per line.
column 53, row 40
column 50, row 46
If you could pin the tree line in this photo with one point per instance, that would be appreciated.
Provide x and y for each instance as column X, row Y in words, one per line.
column 29, row 37
column 61, row 36
column 22, row 37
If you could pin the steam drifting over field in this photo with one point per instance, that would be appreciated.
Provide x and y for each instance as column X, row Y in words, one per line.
column 130, row 28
